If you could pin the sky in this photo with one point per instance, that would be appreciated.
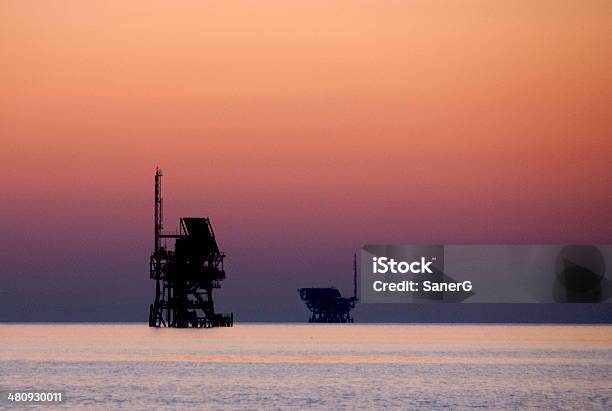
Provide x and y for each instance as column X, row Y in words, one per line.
column 303, row 130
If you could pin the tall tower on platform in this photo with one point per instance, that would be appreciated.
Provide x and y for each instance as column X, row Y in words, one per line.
column 185, row 277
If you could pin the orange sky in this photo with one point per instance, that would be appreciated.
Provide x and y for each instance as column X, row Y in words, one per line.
column 268, row 98
column 300, row 123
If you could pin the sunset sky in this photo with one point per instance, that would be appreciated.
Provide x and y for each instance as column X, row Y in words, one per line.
column 303, row 129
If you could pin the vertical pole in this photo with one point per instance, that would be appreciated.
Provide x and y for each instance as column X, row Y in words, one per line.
column 156, row 256
column 158, row 215
column 355, row 276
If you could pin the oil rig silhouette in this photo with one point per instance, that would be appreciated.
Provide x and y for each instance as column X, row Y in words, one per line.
column 185, row 277
column 327, row 305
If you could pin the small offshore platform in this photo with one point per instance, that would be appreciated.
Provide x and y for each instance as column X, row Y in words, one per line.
column 185, row 277
column 327, row 305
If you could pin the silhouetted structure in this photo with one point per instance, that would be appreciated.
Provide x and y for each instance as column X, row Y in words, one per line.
column 327, row 305
column 186, row 276
column 581, row 275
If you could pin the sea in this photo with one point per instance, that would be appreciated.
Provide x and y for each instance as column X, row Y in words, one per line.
column 309, row 366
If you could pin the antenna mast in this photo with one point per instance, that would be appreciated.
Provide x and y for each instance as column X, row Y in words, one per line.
column 355, row 276
column 158, row 208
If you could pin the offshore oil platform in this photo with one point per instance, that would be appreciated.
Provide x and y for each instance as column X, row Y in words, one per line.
column 327, row 305
column 185, row 277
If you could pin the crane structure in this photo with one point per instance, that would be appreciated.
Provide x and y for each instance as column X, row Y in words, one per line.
column 186, row 276
column 326, row 305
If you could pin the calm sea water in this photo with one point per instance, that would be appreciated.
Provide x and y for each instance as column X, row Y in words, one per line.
column 288, row 366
